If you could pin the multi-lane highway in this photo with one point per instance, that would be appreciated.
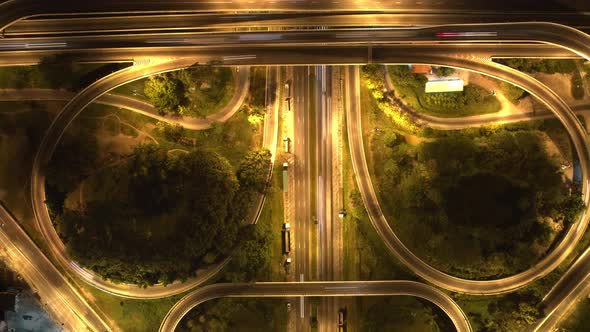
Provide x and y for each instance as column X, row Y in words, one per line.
column 190, row 22
column 526, row 32
column 14, row 10
column 315, row 43
column 323, row 289
column 287, row 55
column 303, row 224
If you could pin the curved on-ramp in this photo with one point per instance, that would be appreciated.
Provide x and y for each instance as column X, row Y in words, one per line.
column 325, row 288
column 43, row 156
column 437, row 277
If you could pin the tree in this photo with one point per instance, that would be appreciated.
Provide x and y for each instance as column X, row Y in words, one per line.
column 253, row 171
column 172, row 132
column 165, row 92
column 252, row 258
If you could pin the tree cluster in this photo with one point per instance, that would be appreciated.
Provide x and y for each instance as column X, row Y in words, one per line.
column 513, row 312
column 72, row 161
column 478, row 207
column 168, row 215
column 196, row 91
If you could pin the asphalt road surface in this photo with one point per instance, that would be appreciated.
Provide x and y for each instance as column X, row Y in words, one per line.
column 185, row 22
column 300, row 97
column 13, row 10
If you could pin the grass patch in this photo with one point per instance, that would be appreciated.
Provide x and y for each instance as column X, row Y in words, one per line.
column 131, row 315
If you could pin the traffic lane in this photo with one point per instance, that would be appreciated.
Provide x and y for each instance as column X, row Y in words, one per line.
column 291, row 55
column 317, row 289
column 187, row 22
column 14, row 10
column 471, row 33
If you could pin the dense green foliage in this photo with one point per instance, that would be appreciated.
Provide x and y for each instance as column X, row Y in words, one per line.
column 72, row 161
column 548, row 66
column 161, row 216
column 237, row 315
column 474, row 207
column 207, row 89
column 411, row 89
column 171, row 132
column 166, row 92
column 255, row 104
column 402, row 313
column 56, row 73
column 196, row 91
column 252, row 170
column 252, row 259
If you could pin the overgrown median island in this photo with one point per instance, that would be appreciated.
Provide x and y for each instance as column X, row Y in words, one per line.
column 479, row 204
column 157, row 216
column 144, row 202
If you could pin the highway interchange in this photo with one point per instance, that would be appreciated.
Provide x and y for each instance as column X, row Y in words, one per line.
column 551, row 34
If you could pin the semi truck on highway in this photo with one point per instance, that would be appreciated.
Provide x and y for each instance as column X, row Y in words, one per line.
column 285, row 176
column 286, row 239
column 286, row 144
column 342, row 320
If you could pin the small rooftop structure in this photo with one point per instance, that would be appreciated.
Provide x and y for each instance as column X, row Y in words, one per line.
column 421, row 69
column 453, row 85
